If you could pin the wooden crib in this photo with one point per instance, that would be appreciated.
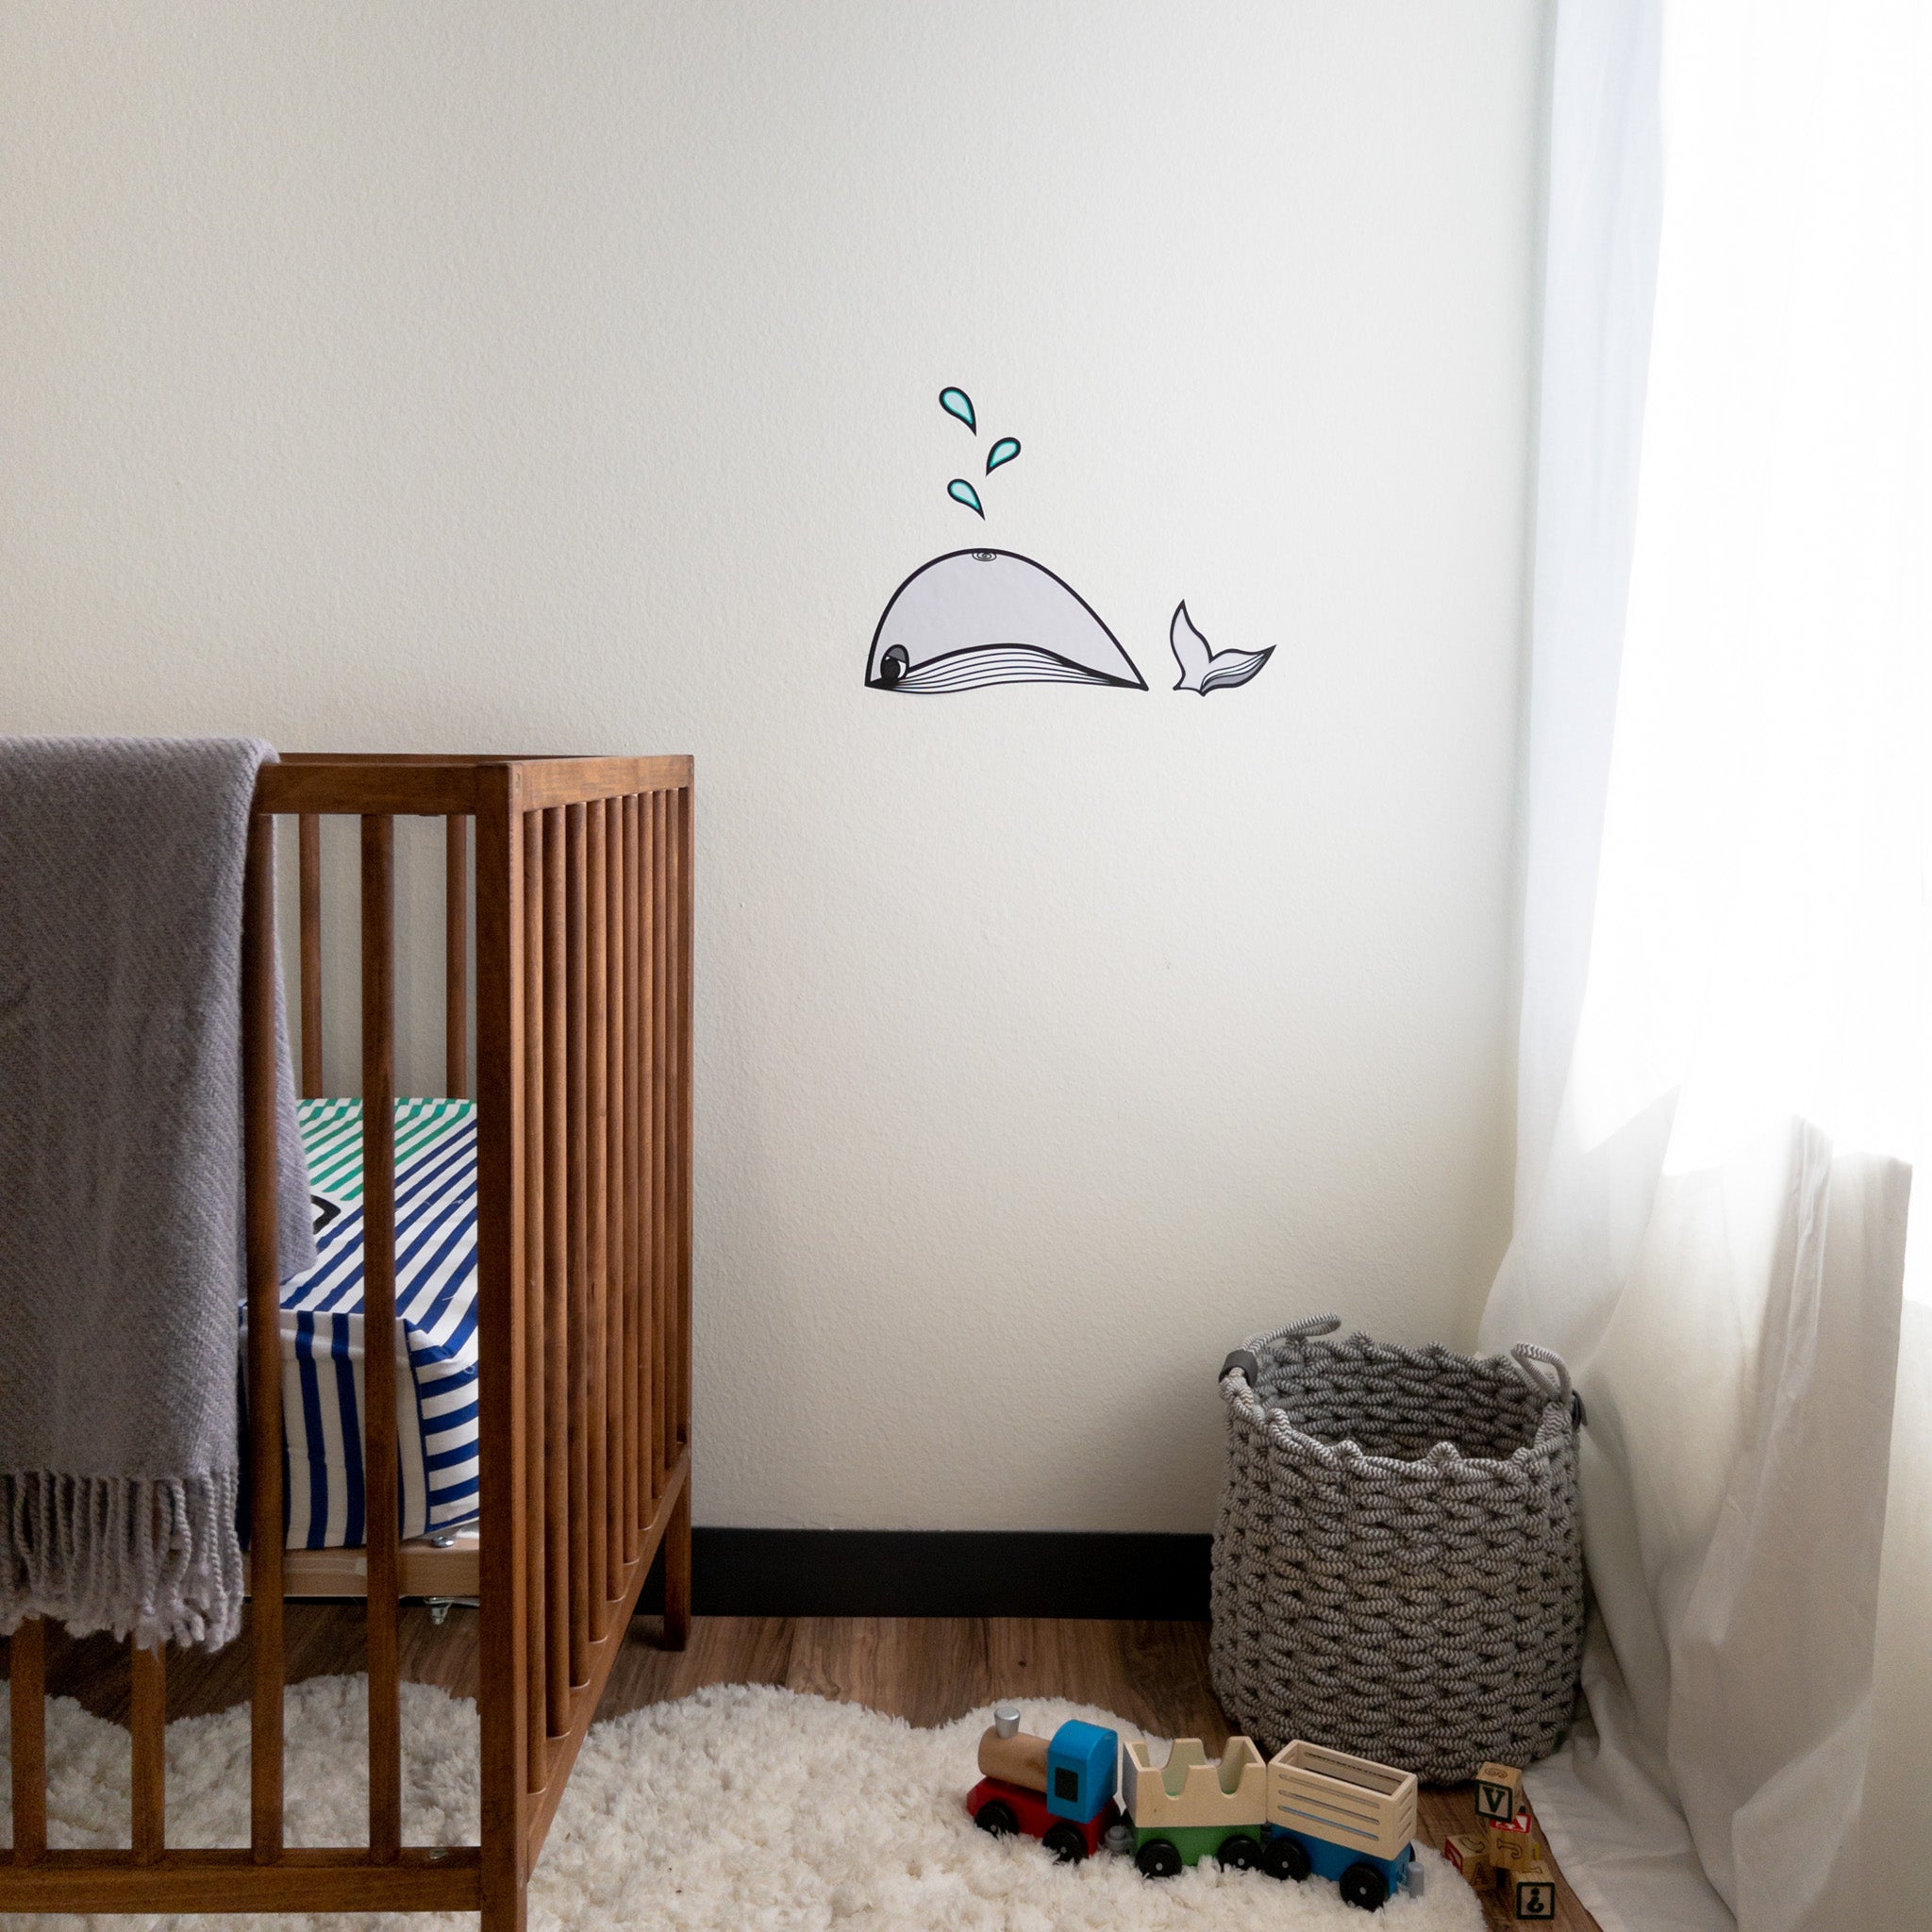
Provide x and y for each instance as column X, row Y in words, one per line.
column 582, row 1018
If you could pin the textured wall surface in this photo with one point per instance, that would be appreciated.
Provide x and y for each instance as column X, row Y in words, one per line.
column 389, row 376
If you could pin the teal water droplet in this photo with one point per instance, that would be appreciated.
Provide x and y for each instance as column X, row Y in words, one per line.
column 963, row 491
column 1004, row 451
column 956, row 402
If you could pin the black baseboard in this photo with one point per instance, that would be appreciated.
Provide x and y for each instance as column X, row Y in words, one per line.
column 942, row 1572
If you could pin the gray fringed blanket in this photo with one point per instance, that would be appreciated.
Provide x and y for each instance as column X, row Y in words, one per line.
column 121, row 1185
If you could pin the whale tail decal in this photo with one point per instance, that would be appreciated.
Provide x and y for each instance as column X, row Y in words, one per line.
column 1204, row 669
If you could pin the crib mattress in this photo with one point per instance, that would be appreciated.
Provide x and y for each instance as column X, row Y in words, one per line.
column 435, row 1340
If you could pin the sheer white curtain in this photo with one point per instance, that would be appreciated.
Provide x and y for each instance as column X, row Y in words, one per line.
column 1725, row 1054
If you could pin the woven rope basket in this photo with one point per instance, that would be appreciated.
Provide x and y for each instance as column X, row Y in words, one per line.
column 1397, row 1565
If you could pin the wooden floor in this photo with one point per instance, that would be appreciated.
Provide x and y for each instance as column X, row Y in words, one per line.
column 926, row 1670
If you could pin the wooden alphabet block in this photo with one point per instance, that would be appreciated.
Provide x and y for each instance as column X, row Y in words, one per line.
column 1513, row 1845
column 1507, row 1854
column 1470, row 1855
column 1533, row 1892
column 1498, row 1792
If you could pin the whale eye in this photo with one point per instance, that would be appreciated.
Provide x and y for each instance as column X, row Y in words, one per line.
column 892, row 666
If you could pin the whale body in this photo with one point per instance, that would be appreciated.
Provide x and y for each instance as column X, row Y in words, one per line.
column 980, row 617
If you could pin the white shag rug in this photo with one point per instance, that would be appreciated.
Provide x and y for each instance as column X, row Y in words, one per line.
column 741, row 1806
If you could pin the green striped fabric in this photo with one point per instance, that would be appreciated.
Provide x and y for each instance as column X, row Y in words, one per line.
column 332, row 1140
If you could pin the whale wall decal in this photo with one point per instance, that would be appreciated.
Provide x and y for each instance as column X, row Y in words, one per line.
column 980, row 617
column 1203, row 668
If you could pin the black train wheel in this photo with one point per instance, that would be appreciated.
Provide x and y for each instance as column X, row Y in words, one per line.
column 1157, row 1859
column 1364, row 1888
column 997, row 1818
column 1065, row 1842
column 1287, row 1857
column 1239, row 1852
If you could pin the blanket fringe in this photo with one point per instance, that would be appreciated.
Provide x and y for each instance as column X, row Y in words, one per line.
column 84, row 1550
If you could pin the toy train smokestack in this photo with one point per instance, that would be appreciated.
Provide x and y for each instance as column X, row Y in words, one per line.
column 1011, row 1755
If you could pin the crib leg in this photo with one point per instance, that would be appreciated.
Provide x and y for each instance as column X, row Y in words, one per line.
column 678, row 1572
column 504, row 1908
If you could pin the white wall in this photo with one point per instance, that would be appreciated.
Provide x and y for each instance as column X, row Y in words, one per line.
column 415, row 376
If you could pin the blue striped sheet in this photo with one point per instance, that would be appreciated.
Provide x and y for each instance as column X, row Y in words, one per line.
column 323, row 1335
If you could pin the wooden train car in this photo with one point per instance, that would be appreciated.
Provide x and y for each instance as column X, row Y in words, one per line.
column 1351, row 1819
column 1192, row 1807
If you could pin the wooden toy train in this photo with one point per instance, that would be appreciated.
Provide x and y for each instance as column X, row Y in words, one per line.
column 1305, row 1810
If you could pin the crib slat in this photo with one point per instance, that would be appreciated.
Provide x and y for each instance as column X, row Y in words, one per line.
column 148, row 1721
column 648, row 1390
column 667, row 1012
column 597, row 1118
column 674, row 1320
column 613, row 1307
column 633, row 1333
column 26, row 1667
column 650, row 1459
column 556, row 1283
column 534, row 1246
column 379, row 1465
column 651, row 1367
column 309, row 843
column 456, row 956
column 612, row 1449
column 503, row 1380
column 264, row 1343
column 686, row 835
column 654, row 1074
column 664, row 1387
column 575, row 886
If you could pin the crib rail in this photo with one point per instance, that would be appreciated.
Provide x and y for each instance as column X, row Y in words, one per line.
column 583, row 1077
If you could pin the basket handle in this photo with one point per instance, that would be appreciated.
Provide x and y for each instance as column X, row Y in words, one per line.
column 1249, row 1364
column 1306, row 1331
column 1526, row 1354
